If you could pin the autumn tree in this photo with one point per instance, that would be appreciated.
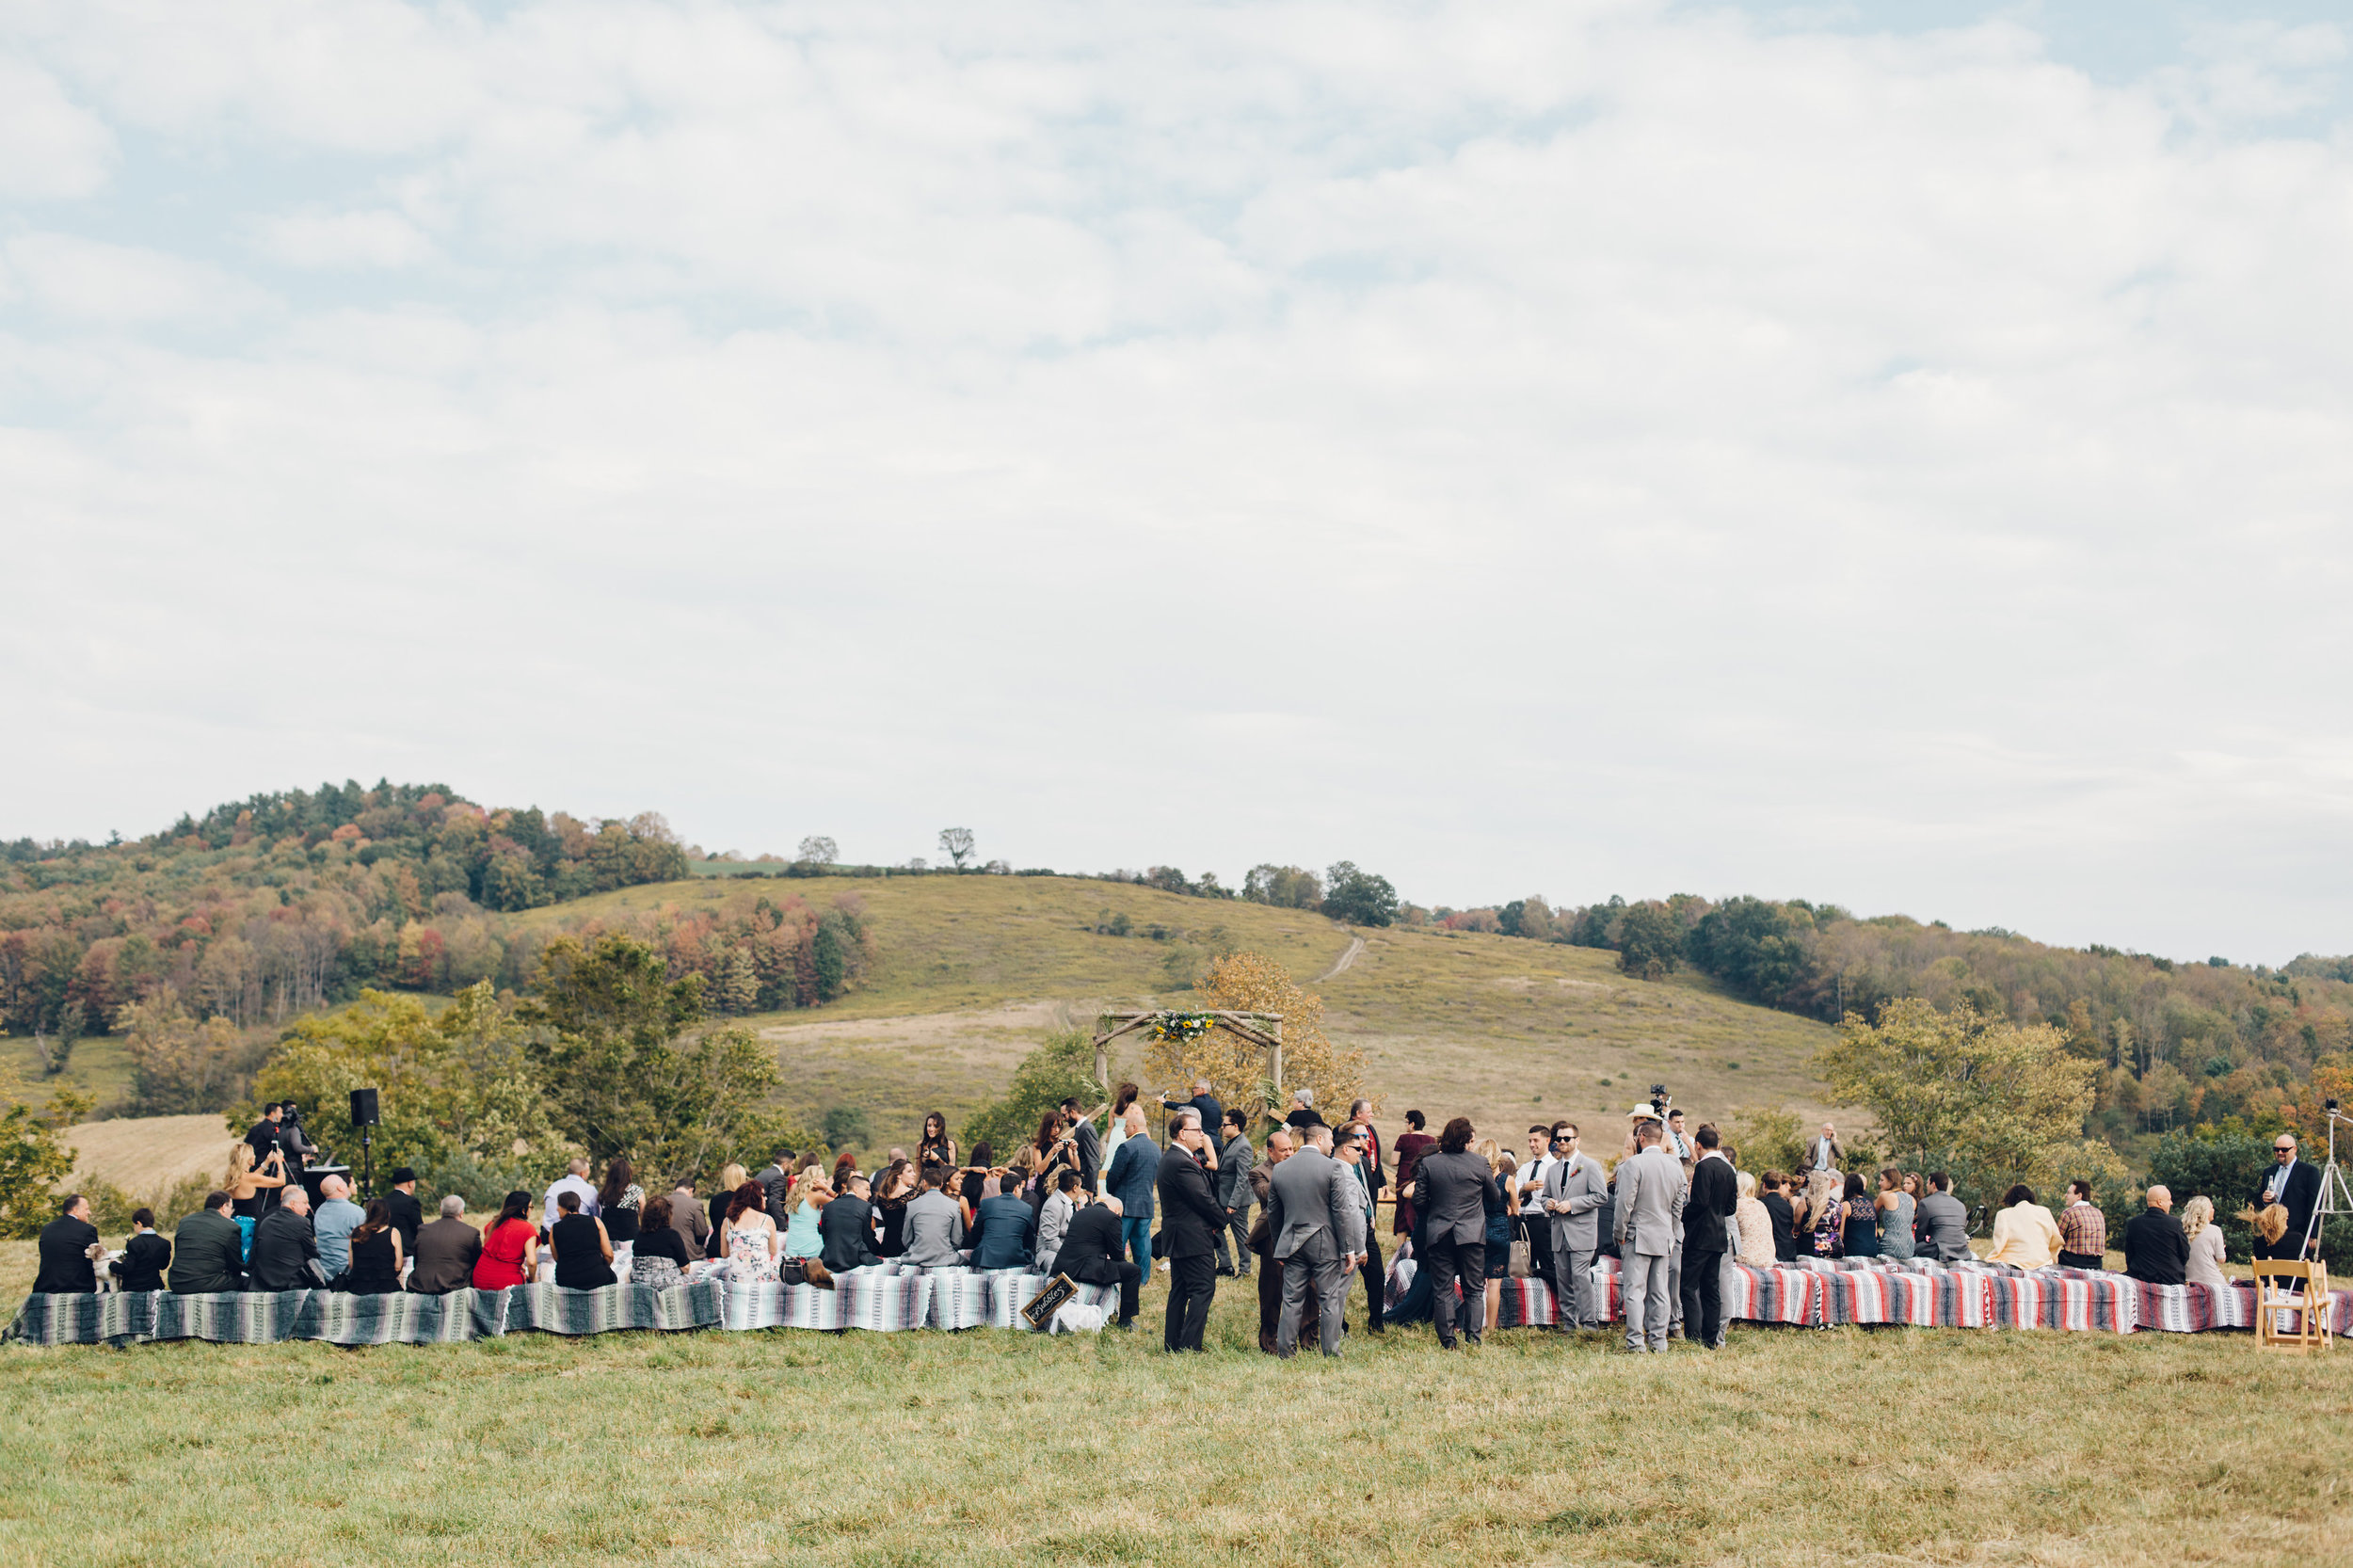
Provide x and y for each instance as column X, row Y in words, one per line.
column 34, row 1153
column 180, row 1065
column 1253, row 983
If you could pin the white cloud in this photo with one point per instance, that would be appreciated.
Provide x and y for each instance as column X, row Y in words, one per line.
column 1533, row 449
column 49, row 147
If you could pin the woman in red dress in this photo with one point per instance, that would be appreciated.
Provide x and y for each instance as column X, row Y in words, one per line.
column 510, row 1247
column 1411, row 1145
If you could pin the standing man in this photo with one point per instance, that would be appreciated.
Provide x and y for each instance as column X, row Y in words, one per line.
column 775, row 1181
column 1234, row 1163
column 1534, row 1219
column 1576, row 1188
column 1824, row 1154
column 1315, row 1214
column 1212, row 1115
column 264, row 1137
column 1651, row 1194
column 1360, row 1111
column 1090, row 1142
column 1677, row 1143
column 2083, row 1231
column 408, row 1213
column 1452, row 1185
column 2156, row 1250
column 2295, row 1186
column 1715, row 1194
column 1278, row 1149
column 1190, row 1218
column 1354, row 1153
column 1134, row 1170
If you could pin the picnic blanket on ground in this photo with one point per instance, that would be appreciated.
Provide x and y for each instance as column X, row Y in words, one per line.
column 401, row 1318
column 1771, row 1293
column 553, row 1309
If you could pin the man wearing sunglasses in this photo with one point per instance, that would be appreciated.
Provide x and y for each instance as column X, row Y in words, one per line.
column 1575, row 1187
column 2295, row 1186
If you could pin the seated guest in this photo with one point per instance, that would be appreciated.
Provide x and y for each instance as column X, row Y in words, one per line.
column 2083, row 1230
column 510, row 1246
column 2207, row 1248
column 208, row 1250
column 2156, row 1251
column 620, row 1199
column 2025, row 1234
column 688, row 1219
column 583, row 1253
column 1754, row 1223
column 447, row 1250
column 1054, row 1219
column 731, row 1179
column 375, row 1252
column 660, row 1258
column 1783, row 1216
column 1005, row 1236
column 141, row 1265
column 934, row 1223
column 332, row 1224
column 70, row 1250
column 1945, row 1221
column 286, row 1252
column 408, row 1213
column 748, row 1237
column 845, row 1229
column 810, row 1198
column 1091, row 1255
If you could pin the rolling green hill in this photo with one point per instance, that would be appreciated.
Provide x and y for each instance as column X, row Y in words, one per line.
column 968, row 972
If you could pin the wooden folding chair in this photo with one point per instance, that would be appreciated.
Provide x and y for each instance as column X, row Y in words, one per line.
column 2294, row 1293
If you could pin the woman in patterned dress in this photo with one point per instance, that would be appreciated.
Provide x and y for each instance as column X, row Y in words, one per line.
column 748, row 1236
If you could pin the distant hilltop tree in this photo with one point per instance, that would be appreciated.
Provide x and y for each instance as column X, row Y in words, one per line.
column 956, row 844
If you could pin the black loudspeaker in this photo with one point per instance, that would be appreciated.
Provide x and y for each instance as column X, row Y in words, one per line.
column 363, row 1107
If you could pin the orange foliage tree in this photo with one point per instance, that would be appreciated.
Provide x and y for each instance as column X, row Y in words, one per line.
column 1253, row 983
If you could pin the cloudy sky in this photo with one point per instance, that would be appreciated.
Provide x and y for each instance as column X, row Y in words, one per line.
column 1895, row 453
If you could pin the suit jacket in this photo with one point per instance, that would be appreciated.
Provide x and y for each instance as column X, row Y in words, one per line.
column 1651, row 1195
column 408, row 1219
column 1089, row 1154
column 1584, row 1186
column 1091, row 1252
column 66, row 1267
column 777, row 1182
column 1004, row 1234
column 1714, row 1196
column 1946, row 1219
column 1451, row 1189
column 207, row 1255
column 688, row 1219
column 1814, row 1152
column 848, row 1237
column 932, row 1230
column 2156, row 1251
column 1315, row 1208
column 141, row 1266
column 1190, row 1215
column 1053, row 1223
column 1134, row 1168
column 1235, row 1163
column 2301, row 1196
column 1212, row 1120
column 283, row 1250
column 446, row 1251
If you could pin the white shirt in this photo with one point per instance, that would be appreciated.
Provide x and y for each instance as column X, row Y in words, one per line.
column 1532, row 1174
column 571, row 1184
column 2279, row 1182
column 1822, row 1154
column 1678, row 1145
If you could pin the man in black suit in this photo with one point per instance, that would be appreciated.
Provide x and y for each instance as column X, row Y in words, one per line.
column 2294, row 1185
column 1090, row 1254
column 68, row 1267
column 2156, row 1251
column 1715, row 1195
column 285, row 1251
column 1783, row 1218
column 848, row 1238
column 1213, row 1113
column 267, row 1135
column 1090, row 1143
column 1191, row 1220
column 145, row 1255
column 208, row 1251
column 1451, row 1186
column 408, row 1213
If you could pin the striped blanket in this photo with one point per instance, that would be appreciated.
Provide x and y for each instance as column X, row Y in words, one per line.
column 553, row 1309
column 401, row 1319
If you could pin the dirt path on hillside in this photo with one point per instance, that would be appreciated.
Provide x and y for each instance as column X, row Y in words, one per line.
column 1339, row 966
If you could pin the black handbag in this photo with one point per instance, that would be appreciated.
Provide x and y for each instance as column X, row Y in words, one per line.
column 1160, row 1244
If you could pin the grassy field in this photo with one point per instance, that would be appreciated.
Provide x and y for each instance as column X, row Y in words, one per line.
column 1791, row 1446
column 972, row 970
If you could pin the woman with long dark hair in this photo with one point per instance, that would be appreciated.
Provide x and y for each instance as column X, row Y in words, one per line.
column 510, row 1246
column 620, row 1199
column 747, row 1236
column 1860, row 1219
column 935, row 1150
column 892, row 1192
column 374, row 1268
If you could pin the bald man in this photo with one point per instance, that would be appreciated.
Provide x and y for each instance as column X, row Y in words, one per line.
column 2156, row 1251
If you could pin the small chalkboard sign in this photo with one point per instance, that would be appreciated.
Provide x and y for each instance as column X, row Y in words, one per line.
column 1047, row 1301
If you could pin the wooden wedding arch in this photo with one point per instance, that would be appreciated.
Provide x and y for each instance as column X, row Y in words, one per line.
column 1263, row 1029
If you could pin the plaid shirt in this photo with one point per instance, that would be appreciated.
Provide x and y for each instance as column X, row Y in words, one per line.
column 2083, row 1229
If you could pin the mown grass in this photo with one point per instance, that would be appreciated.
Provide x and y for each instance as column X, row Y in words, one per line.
column 880, row 1450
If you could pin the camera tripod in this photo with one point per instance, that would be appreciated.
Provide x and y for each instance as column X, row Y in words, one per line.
column 2335, row 1196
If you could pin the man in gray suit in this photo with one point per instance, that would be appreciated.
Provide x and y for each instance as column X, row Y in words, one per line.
column 1651, row 1192
column 1234, row 1157
column 1315, row 1214
column 1575, row 1187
